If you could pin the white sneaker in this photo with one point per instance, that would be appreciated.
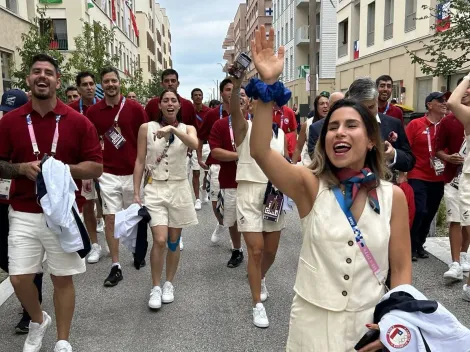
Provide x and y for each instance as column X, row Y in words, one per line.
column 264, row 291
column 464, row 263
column 219, row 231
column 100, row 225
column 95, row 254
column 36, row 333
column 454, row 273
column 198, row 204
column 168, row 292
column 62, row 346
column 260, row 319
column 155, row 301
column 466, row 293
column 181, row 243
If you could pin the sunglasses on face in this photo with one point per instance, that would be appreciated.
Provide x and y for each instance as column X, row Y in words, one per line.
column 441, row 100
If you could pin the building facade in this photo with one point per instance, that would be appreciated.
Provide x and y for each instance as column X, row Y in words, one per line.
column 291, row 26
column 235, row 41
column 16, row 16
column 372, row 39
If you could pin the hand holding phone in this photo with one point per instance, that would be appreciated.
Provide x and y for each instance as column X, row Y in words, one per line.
column 369, row 337
column 240, row 65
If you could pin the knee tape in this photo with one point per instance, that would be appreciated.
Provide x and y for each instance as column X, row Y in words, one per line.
column 173, row 246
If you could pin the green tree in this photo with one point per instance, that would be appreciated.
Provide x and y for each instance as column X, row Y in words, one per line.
column 449, row 50
column 155, row 87
column 137, row 85
column 91, row 52
column 35, row 42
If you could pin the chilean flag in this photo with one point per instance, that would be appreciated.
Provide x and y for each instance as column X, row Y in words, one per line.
column 356, row 50
column 443, row 16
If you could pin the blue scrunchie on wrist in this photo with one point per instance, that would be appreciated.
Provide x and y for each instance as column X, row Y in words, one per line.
column 276, row 92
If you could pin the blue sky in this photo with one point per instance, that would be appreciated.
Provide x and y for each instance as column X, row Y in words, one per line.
column 198, row 29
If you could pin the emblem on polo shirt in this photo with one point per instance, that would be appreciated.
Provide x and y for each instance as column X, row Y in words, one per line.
column 398, row 336
column 286, row 121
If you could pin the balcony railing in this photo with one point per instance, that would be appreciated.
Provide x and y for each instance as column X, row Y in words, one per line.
column 342, row 50
column 388, row 31
column 301, row 35
column 59, row 44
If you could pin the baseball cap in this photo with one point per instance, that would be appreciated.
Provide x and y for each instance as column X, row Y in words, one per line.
column 13, row 99
column 435, row 95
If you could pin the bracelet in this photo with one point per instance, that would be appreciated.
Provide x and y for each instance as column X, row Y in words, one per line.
column 276, row 92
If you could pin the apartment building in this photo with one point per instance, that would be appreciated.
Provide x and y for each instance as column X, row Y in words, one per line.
column 155, row 39
column 16, row 15
column 235, row 41
column 372, row 37
column 291, row 26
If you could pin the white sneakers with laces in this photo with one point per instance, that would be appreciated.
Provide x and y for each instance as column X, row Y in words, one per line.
column 464, row 262
column 264, row 291
column 454, row 273
column 95, row 254
column 100, row 225
column 155, row 301
column 198, row 204
column 466, row 293
column 260, row 319
column 219, row 231
column 62, row 346
column 168, row 292
column 36, row 333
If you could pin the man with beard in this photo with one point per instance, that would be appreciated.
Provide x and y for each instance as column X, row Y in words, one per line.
column 201, row 111
column 87, row 88
column 28, row 133
column 384, row 86
column 117, row 121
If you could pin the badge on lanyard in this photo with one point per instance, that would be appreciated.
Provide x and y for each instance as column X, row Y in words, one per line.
column 115, row 137
column 220, row 204
column 5, row 186
column 437, row 165
column 273, row 206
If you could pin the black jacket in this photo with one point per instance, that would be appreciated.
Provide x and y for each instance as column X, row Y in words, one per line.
column 405, row 158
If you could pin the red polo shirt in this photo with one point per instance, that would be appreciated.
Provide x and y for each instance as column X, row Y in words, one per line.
column 220, row 138
column 285, row 118
column 76, row 106
column 188, row 114
column 393, row 111
column 78, row 142
column 121, row 161
column 201, row 115
column 204, row 131
column 450, row 137
column 417, row 133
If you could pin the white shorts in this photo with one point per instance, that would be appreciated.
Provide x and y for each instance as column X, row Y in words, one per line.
column 170, row 203
column 464, row 198
column 214, row 182
column 205, row 153
column 89, row 190
column 29, row 239
column 117, row 192
column 230, row 206
column 250, row 199
column 451, row 199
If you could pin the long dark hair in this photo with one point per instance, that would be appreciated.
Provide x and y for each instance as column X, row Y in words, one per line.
column 375, row 160
column 160, row 114
column 316, row 115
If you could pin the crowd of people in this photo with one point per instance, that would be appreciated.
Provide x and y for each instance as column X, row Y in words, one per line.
column 366, row 188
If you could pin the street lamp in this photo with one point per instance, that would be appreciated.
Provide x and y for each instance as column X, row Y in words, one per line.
column 217, row 88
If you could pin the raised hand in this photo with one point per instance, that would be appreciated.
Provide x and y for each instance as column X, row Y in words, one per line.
column 268, row 65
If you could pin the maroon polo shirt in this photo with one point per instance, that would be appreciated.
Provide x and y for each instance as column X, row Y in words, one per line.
column 449, row 138
column 393, row 111
column 76, row 106
column 188, row 114
column 77, row 142
column 119, row 162
column 204, row 131
column 220, row 138
column 201, row 115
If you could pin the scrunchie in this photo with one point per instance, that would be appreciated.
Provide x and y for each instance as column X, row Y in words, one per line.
column 276, row 92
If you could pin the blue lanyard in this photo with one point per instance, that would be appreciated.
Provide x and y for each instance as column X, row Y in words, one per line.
column 249, row 117
column 386, row 109
column 81, row 104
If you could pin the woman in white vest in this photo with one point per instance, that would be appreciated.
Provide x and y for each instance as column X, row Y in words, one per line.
column 261, row 236
column 161, row 161
column 343, row 265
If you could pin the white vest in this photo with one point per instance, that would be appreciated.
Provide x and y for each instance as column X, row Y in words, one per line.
column 173, row 164
column 247, row 168
column 333, row 273
column 466, row 164
column 306, row 161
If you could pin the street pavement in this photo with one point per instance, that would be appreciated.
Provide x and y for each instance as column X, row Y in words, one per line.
column 212, row 307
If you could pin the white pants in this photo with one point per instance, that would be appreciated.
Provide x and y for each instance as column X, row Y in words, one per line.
column 451, row 199
column 117, row 192
column 230, row 206
column 214, row 182
column 194, row 165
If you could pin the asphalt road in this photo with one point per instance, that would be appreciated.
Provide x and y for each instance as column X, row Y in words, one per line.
column 212, row 307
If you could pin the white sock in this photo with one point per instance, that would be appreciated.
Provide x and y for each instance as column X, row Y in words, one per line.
column 114, row 264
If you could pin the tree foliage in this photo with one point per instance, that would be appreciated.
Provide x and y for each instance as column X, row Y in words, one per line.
column 155, row 87
column 137, row 85
column 449, row 50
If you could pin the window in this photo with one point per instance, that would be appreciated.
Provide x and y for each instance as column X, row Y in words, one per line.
column 286, row 68
column 291, row 68
column 291, row 28
column 57, row 29
column 410, row 15
column 12, row 5
column 343, row 37
column 6, row 78
column 287, row 33
column 371, row 24
column 282, row 35
column 388, row 19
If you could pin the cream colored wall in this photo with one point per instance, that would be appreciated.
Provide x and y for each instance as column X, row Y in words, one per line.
column 299, row 91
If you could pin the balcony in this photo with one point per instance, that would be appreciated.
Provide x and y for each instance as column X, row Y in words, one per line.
column 59, row 44
column 303, row 3
column 301, row 36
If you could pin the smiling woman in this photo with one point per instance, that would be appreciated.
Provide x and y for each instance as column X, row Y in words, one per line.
column 351, row 219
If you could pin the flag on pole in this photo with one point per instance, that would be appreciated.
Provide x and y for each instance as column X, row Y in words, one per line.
column 356, row 50
column 134, row 24
column 90, row 4
column 443, row 16
column 113, row 6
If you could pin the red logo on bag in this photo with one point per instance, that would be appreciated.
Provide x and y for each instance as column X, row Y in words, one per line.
column 398, row 336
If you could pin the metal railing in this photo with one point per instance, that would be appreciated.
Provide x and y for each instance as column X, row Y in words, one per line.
column 59, row 44
column 388, row 31
column 301, row 35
